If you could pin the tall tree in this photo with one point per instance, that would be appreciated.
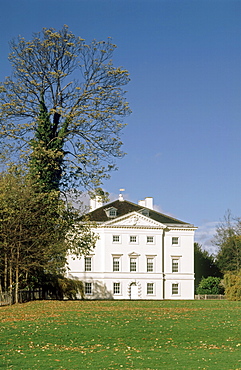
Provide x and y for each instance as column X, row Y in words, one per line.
column 232, row 283
column 64, row 105
column 36, row 232
column 204, row 265
column 228, row 240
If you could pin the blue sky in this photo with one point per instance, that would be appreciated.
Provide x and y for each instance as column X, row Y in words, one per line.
column 184, row 57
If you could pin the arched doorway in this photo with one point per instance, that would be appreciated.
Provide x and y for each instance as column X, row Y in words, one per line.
column 134, row 290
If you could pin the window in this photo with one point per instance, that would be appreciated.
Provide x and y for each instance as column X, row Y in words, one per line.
column 150, row 288
column 87, row 263
column 116, row 238
column 149, row 264
column 145, row 212
column 175, row 265
column 111, row 212
column 116, row 288
column 150, row 239
column 88, row 288
column 175, row 240
column 175, row 289
column 116, row 264
column 133, row 264
column 133, row 239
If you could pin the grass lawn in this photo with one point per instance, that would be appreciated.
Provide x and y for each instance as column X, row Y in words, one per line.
column 121, row 335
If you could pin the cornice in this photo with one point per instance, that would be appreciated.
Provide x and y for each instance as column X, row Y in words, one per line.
column 192, row 228
column 129, row 227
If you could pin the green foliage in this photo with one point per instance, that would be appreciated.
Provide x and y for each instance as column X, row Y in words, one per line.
column 210, row 285
column 58, row 286
column 228, row 239
column 229, row 255
column 204, row 264
column 232, row 282
column 36, row 231
column 71, row 288
column 121, row 335
column 47, row 155
column 63, row 107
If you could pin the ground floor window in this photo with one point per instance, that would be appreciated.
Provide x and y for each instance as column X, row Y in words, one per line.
column 88, row 288
column 175, row 289
column 150, row 288
column 116, row 288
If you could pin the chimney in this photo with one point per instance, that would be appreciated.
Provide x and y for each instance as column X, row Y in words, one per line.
column 95, row 203
column 147, row 202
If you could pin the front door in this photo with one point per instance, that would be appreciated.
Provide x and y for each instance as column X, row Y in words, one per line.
column 134, row 291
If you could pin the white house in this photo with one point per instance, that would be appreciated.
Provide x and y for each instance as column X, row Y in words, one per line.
column 140, row 254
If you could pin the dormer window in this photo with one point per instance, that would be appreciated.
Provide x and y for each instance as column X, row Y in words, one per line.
column 111, row 212
column 145, row 212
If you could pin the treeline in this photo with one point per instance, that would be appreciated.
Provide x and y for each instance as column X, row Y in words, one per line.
column 221, row 273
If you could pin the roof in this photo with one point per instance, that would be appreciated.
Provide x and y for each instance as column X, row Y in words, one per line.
column 125, row 207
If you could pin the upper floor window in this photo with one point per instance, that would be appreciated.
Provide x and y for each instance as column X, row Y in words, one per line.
column 111, row 212
column 133, row 264
column 116, row 263
column 116, row 238
column 133, row 239
column 175, row 265
column 175, row 240
column 150, row 239
column 88, row 263
column 150, row 264
column 145, row 212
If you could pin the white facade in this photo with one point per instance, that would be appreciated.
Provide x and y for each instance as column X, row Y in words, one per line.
column 140, row 254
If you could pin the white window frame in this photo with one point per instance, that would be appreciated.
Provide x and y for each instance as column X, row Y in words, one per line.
column 150, row 242
column 134, row 241
column 175, row 243
column 116, row 284
column 150, row 264
column 148, row 286
column 116, row 236
column 175, row 289
column 117, row 258
column 133, row 260
column 88, row 291
column 112, row 212
column 175, row 265
column 90, row 264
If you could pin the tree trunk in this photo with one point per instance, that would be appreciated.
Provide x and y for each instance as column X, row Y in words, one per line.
column 17, row 276
column 5, row 283
column 10, row 279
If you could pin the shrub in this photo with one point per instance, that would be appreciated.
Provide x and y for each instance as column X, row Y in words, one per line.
column 210, row 285
column 232, row 283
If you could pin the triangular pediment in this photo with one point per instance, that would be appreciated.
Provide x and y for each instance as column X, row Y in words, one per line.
column 133, row 254
column 133, row 219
